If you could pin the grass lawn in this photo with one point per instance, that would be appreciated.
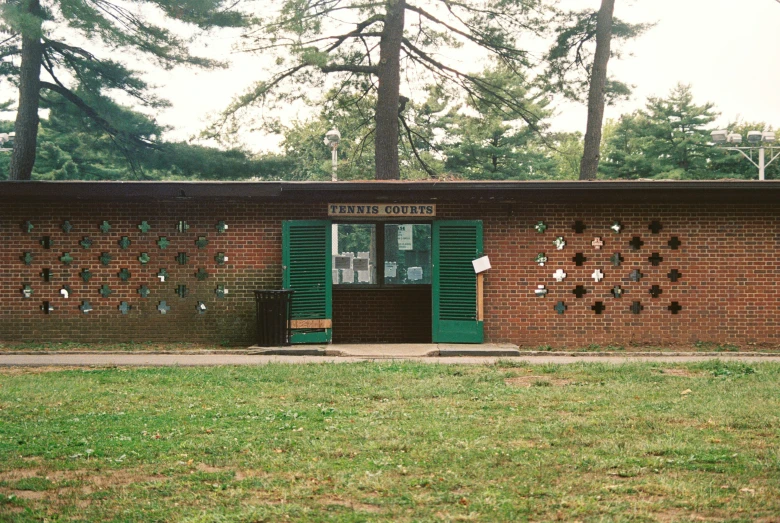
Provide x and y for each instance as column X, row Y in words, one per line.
column 392, row 441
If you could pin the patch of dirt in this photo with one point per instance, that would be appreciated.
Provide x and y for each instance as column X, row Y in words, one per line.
column 112, row 478
column 91, row 483
column 683, row 373
column 530, row 381
column 674, row 514
column 521, row 444
column 202, row 467
column 20, row 371
column 354, row 505
column 247, row 474
column 17, row 474
column 28, row 494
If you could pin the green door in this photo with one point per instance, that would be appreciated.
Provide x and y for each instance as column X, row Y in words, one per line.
column 306, row 261
column 456, row 244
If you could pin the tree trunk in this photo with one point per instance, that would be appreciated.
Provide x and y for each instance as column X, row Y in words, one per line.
column 26, row 126
column 598, row 81
column 386, row 136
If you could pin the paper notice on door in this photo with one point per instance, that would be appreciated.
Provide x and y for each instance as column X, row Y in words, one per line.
column 414, row 274
column 342, row 262
column 405, row 238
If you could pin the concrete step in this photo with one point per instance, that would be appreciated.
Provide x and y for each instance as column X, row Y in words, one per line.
column 393, row 350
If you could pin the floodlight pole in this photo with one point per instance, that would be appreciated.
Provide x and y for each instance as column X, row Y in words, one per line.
column 334, row 158
column 722, row 136
column 332, row 138
column 762, row 163
column 6, row 137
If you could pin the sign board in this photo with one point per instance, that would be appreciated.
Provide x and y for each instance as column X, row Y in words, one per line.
column 414, row 273
column 342, row 262
column 405, row 238
column 481, row 264
column 381, row 210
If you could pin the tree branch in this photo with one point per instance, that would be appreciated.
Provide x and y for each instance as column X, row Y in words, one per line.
column 64, row 48
column 92, row 113
column 475, row 36
column 357, row 32
column 348, row 68
column 430, row 62
column 423, row 163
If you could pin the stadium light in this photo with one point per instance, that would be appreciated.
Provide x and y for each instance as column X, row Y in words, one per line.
column 756, row 141
column 332, row 139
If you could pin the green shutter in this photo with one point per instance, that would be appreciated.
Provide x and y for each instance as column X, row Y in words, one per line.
column 455, row 317
column 306, row 259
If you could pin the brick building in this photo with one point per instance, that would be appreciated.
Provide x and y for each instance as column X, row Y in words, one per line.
column 572, row 263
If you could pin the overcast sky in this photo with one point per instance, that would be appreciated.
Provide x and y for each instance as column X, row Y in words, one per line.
column 728, row 50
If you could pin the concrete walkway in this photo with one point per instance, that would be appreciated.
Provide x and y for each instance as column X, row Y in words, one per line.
column 426, row 353
column 393, row 350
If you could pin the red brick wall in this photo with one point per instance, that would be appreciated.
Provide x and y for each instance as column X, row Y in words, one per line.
column 728, row 259
column 382, row 316
column 252, row 244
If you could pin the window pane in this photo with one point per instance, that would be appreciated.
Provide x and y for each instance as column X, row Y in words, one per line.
column 407, row 254
column 354, row 254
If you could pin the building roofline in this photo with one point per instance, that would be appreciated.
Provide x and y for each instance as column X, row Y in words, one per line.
column 607, row 192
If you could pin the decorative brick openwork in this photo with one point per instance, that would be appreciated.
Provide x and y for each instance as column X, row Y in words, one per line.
column 717, row 264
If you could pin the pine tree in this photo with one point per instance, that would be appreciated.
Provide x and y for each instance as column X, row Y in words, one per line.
column 596, row 95
column 40, row 35
column 577, row 67
column 485, row 139
column 366, row 49
column 667, row 139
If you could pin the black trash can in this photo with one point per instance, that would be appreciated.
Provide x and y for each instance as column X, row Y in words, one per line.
column 274, row 309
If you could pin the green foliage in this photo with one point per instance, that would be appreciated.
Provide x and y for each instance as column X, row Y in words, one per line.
column 566, row 151
column 88, row 78
column 731, row 164
column 570, row 59
column 352, row 115
column 72, row 147
column 195, row 162
column 667, row 139
column 446, row 135
column 723, row 369
column 338, row 44
column 487, row 138
column 670, row 139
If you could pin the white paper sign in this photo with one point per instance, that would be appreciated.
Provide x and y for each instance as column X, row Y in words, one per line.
column 348, row 276
column 481, row 264
column 360, row 264
column 364, row 276
column 391, row 269
column 414, row 273
column 342, row 262
column 405, row 238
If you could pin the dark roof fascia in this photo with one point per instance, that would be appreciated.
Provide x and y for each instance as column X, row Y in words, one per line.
column 605, row 192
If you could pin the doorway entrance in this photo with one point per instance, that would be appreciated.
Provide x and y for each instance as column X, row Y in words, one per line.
column 383, row 282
